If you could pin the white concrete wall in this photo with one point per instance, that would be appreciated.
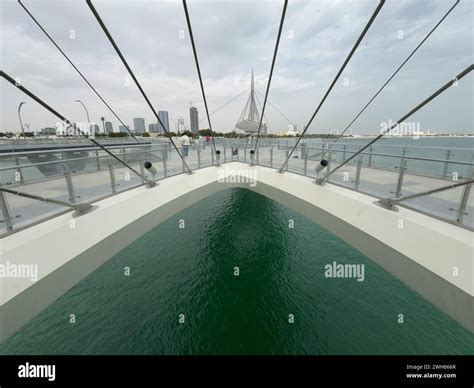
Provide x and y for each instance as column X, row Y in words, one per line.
column 422, row 254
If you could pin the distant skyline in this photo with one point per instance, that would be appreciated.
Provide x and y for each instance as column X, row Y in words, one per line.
column 232, row 38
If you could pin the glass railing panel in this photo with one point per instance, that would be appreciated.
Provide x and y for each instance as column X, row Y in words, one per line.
column 296, row 161
column 126, row 179
column 174, row 162
column 89, row 187
column 346, row 175
column 444, row 205
column 25, row 211
column 205, row 153
column 381, row 181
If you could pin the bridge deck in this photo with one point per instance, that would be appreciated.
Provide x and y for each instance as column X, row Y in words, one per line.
column 422, row 253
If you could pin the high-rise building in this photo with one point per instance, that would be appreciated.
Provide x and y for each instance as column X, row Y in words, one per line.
column 96, row 128
column 181, row 125
column 48, row 131
column 194, row 119
column 109, row 128
column 163, row 115
column 123, row 128
column 139, row 124
column 153, row 127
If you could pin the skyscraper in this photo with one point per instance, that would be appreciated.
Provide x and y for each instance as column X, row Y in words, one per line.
column 139, row 124
column 163, row 115
column 153, row 127
column 124, row 128
column 109, row 128
column 181, row 125
column 193, row 112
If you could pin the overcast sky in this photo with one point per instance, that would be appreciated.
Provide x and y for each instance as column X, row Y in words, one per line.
column 232, row 38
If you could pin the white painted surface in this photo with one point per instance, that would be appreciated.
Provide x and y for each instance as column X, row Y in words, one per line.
column 422, row 254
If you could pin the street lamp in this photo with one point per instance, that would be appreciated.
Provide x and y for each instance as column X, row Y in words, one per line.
column 19, row 116
column 87, row 114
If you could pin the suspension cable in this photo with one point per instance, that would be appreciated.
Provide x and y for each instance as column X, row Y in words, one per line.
column 446, row 86
column 356, row 45
column 274, row 107
column 188, row 21
column 125, row 63
column 71, row 124
column 394, row 74
column 77, row 70
column 265, row 117
column 285, row 5
column 227, row 103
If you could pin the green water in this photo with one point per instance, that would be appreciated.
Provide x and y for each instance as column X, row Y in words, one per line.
column 190, row 271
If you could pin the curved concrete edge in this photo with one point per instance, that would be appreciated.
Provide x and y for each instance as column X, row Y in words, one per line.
column 68, row 249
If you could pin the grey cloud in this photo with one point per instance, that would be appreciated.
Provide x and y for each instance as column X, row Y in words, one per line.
column 232, row 39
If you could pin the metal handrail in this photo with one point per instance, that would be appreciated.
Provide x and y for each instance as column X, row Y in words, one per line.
column 200, row 166
column 30, row 153
column 397, row 156
column 62, row 161
column 59, row 150
column 391, row 202
column 79, row 207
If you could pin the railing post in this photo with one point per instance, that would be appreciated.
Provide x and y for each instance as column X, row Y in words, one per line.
column 165, row 165
column 445, row 168
column 328, row 168
column 112, row 176
column 258, row 153
column 323, row 150
column 401, row 174
column 369, row 164
column 124, row 156
column 224, row 149
column 245, row 153
column 287, row 154
column 7, row 216
column 142, row 169
column 305, row 165
column 212, row 157
column 463, row 204
column 357, row 177
column 19, row 169
column 98, row 160
column 70, row 186
column 271, row 156
column 464, row 200
column 199, row 155
column 344, row 153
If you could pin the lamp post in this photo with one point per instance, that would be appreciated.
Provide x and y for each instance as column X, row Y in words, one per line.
column 19, row 116
column 87, row 114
